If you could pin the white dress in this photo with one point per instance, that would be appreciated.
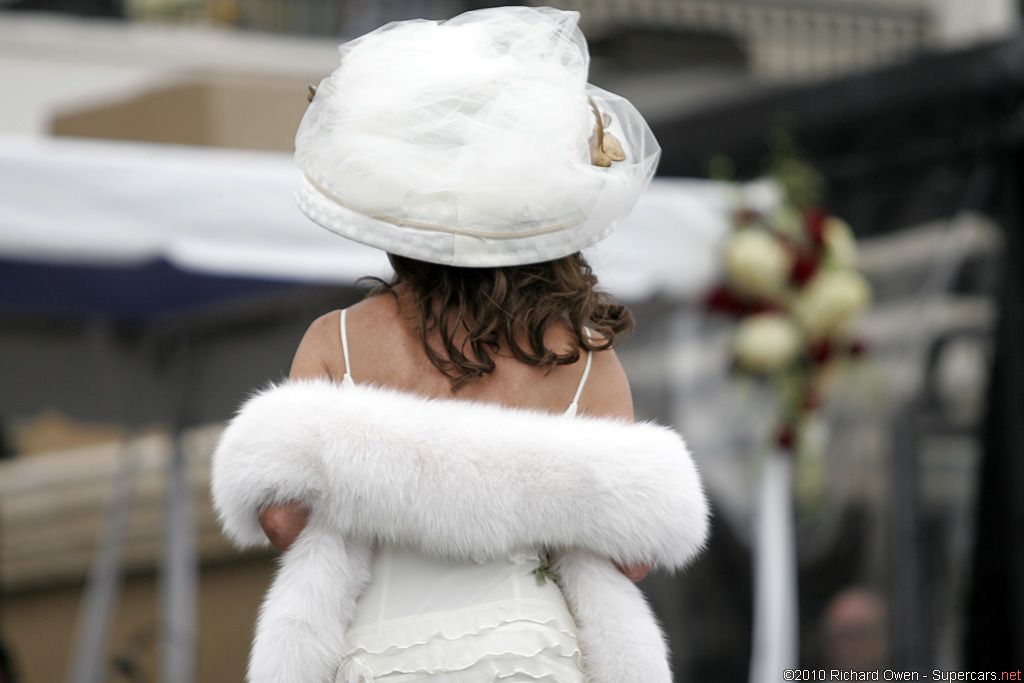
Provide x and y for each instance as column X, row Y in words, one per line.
column 452, row 621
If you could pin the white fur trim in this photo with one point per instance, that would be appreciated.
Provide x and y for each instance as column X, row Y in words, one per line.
column 458, row 478
column 300, row 634
column 619, row 636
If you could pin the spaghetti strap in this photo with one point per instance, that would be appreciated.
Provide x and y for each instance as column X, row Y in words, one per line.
column 574, row 406
column 346, row 380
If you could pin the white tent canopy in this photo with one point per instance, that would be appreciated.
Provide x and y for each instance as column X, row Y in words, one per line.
column 230, row 212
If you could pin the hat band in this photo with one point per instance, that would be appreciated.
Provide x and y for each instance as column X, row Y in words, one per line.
column 437, row 227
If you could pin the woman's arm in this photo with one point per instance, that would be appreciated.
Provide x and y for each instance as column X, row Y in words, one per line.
column 283, row 523
column 608, row 395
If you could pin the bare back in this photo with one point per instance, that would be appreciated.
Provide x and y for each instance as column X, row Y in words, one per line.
column 385, row 350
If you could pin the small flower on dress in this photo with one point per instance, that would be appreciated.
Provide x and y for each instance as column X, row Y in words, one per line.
column 543, row 572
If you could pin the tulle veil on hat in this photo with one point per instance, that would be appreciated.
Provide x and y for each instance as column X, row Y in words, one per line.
column 467, row 142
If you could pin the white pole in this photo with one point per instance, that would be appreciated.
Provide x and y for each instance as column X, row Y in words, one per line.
column 776, row 619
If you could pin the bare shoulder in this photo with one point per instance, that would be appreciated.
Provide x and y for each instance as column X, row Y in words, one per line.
column 319, row 351
column 607, row 392
column 371, row 324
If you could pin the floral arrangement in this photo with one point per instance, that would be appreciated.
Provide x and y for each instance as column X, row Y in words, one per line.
column 791, row 281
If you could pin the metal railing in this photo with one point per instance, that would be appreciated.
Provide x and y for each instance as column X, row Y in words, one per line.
column 784, row 38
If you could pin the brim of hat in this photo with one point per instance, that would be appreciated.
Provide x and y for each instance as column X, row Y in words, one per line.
column 442, row 247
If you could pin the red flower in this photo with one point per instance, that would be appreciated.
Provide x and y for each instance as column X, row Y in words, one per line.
column 820, row 352
column 805, row 265
column 814, row 222
column 858, row 348
column 723, row 300
column 785, row 437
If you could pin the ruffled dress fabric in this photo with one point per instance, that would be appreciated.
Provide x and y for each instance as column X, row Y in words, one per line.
column 461, row 622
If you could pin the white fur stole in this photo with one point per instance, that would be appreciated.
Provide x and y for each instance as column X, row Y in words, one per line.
column 457, row 479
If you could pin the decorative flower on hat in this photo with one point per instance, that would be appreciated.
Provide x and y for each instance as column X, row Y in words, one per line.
column 604, row 147
column 790, row 280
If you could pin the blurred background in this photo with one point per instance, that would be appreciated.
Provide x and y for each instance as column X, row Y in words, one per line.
column 153, row 270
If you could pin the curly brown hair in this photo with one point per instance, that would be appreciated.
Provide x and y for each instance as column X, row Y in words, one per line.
column 510, row 304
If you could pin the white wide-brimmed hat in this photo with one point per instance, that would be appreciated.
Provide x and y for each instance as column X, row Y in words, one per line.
column 472, row 142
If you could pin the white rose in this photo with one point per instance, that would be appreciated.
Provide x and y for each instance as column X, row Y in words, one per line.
column 840, row 244
column 830, row 300
column 766, row 342
column 756, row 264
